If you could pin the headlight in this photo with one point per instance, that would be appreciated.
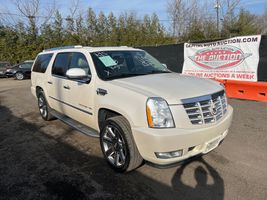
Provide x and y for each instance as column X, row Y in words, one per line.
column 158, row 113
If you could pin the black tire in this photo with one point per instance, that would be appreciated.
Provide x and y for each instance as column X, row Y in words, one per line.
column 122, row 130
column 44, row 109
column 19, row 76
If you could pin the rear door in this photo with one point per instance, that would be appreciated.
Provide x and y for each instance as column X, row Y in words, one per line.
column 26, row 68
column 56, row 81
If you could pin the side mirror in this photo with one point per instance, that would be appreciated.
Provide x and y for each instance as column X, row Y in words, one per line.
column 78, row 74
column 164, row 65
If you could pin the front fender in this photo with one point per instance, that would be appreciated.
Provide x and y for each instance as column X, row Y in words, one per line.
column 129, row 104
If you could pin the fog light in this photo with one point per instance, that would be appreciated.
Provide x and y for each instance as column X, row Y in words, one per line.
column 171, row 154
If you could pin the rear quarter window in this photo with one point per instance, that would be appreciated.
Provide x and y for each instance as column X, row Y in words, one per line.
column 42, row 62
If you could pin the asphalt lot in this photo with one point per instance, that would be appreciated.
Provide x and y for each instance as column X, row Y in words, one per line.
column 49, row 160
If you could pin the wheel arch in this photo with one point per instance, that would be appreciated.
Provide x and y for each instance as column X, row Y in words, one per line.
column 105, row 113
column 20, row 71
column 38, row 89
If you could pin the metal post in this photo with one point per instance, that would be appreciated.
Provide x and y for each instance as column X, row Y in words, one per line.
column 217, row 7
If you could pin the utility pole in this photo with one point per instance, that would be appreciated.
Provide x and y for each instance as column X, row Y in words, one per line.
column 217, row 7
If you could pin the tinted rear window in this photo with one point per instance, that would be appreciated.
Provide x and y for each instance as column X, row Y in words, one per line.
column 42, row 62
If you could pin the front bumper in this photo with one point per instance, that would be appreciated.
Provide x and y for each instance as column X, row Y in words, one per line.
column 192, row 141
column 10, row 74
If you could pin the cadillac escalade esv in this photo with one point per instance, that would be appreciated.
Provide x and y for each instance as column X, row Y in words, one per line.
column 138, row 108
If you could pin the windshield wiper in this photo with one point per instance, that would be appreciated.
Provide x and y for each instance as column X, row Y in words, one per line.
column 158, row 72
column 125, row 75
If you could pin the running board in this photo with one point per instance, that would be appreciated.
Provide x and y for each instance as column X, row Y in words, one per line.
column 74, row 124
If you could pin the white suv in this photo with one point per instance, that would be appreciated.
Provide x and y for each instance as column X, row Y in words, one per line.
column 138, row 108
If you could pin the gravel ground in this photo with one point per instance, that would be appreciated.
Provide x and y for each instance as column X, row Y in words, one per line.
column 49, row 160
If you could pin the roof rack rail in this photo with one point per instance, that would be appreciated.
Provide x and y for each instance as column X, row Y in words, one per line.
column 63, row 47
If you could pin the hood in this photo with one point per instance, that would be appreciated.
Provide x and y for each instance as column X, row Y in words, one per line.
column 12, row 69
column 171, row 86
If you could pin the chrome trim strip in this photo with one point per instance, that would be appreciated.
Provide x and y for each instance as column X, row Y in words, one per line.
column 202, row 98
column 89, row 113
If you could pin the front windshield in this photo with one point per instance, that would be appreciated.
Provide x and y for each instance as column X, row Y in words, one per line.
column 27, row 65
column 122, row 64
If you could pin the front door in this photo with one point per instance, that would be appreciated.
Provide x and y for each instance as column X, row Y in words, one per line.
column 26, row 68
column 74, row 98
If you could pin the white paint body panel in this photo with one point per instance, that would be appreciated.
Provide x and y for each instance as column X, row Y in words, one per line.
column 128, row 96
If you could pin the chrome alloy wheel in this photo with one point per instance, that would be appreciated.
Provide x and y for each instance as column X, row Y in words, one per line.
column 114, row 146
column 42, row 106
column 19, row 76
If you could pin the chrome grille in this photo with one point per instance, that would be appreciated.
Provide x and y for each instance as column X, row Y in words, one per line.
column 206, row 109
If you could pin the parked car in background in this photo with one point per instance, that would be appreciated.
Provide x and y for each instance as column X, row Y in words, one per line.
column 3, row 66
column 20, row 71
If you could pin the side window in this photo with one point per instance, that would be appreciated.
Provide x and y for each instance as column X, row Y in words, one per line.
column 26, row 65
column 42, row 62
column 60, row 65
column 78, row 60
column 22, row 65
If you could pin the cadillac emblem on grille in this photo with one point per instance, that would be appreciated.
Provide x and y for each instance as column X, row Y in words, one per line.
column 206, row 109
column 213, row 109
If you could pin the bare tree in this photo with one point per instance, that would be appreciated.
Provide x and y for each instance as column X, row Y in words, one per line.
column 181, row 13
column 186, row 16
column 30, row 9
column 8, row 18
column 264, row 21
column 74, row 7
column 72, row 18
column 229, row 17
column 175, row 9
column 231, row 5
column 49, row 11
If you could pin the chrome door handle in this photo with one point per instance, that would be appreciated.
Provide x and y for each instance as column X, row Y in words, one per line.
column 66, row 87
column 101, row 91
